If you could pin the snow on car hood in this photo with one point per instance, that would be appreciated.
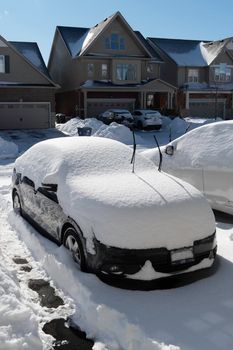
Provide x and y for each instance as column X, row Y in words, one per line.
column 96, row 187
column 139, row 210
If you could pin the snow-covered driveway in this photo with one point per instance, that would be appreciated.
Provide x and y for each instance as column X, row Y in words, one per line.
column 197, row 315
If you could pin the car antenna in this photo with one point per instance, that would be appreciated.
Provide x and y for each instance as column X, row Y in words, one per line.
column 160, row 154
column 134, row 151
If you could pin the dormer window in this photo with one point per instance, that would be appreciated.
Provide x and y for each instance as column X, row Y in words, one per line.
column 222, row 73
column 115, row 42
column 193, row 75
column 2, row 64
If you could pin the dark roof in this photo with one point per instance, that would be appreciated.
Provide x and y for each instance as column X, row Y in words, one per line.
column 74, row 38
column 32, row 53
column 183, row 52
column 109, row 84
column 149, row 48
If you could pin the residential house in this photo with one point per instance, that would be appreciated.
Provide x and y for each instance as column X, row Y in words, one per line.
column 203, row 73
column 107, row 66
column 26, row 89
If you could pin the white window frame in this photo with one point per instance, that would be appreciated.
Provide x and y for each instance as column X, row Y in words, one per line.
column 123, row 72
column 3, row 66
column 193, row 75
column 222, row 73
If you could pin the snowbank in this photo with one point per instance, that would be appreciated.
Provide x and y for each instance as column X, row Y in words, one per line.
column 8, row 149
column 113, row 131
column 71, row 127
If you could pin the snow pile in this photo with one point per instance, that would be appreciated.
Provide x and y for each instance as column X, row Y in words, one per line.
column 18, row 325
column 113, row 131
column 108, row 200
column 8, row 149
column 71, row 127
column 116, row 132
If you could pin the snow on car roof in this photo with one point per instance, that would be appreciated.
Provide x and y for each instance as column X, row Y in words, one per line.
column 208, row 145
column 82, row 155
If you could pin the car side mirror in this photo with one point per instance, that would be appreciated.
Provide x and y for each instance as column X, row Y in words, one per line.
column 169, row 150
column 50, row 187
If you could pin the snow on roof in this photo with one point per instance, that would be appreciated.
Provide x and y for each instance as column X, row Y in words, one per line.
column 32, row 53
column 74, row 38
column 183, row 52
column 212, row 49
column 78, row 39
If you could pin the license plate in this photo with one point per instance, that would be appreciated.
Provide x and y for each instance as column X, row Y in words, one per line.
column 181, row 255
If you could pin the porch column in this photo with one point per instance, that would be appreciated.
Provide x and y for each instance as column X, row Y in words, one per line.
column 144, row 100
column 187, row 100
column 85, row 103
column 168, row 100
column 171, row 100
column 141, row 99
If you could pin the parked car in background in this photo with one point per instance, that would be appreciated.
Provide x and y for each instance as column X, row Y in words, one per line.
column 139, row 224
column 121, row 116
column 204, row 158
column 147, row 119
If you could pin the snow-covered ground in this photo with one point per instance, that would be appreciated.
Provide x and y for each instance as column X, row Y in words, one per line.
column 196, row 315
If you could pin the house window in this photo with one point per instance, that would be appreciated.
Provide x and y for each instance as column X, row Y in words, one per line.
column 149, row 68
column 222, row 72
column 193, row 75
column 115, row 42
column 126, row 71
column 90, row 70
column 104, row 71
column 2, row 64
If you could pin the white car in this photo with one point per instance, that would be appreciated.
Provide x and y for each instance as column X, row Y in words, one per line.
column 121, row 116
column 147, row 119
column 204, row 158
column 132, row 222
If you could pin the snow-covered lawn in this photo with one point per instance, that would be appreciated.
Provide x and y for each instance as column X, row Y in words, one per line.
column 197, row 315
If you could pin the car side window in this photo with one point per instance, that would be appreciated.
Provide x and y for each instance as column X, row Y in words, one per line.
column 49, row 194
column 137, row 113
column 28, row 182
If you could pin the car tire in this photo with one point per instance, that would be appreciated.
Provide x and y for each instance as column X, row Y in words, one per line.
column 72, row 242
column 16, row 203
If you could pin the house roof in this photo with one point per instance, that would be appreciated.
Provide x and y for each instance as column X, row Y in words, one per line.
column 190, row 52
column 32, row 53
column 74, row 38
column 183, row 52
column 153, row 53
column 78, row 39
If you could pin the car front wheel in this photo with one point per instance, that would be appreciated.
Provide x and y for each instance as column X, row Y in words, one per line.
column 16, row 204
column 74, row 244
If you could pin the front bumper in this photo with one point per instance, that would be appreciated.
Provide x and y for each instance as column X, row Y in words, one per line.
column 123, row 262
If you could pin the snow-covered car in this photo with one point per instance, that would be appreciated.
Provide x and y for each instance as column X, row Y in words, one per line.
column 131, row 222
column 204, row 158
column 147, row 119
column 121, row 116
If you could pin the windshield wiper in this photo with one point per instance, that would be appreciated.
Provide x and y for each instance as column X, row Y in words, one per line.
column 134, row 151
column 160, row 154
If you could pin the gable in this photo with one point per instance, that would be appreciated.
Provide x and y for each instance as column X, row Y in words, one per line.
column 223, row 57
column 117, row 39
column 24, row 64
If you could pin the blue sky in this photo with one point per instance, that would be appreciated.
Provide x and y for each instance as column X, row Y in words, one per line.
column 35, row 20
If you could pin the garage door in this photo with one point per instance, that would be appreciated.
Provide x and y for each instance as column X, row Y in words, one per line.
column 207, row 108
column 24, row 115
column 95, row 107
